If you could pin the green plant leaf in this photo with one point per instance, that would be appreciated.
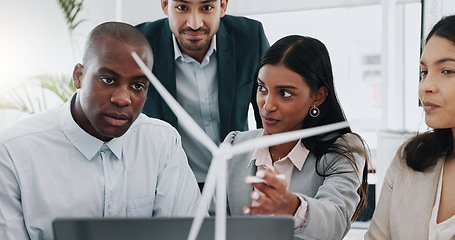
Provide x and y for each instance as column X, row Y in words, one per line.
column 61, row 86
column 20, row 99
column 71, row 9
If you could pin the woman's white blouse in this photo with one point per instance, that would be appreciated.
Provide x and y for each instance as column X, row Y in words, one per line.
column 444, row 230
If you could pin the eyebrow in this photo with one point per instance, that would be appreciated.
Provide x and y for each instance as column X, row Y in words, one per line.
column 203, row 2
column 107, row 70
column 440, row 61
column 112, row 72
column 445, row 60
column 279, row 86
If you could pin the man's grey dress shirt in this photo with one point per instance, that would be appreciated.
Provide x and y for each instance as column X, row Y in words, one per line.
column 50, row 167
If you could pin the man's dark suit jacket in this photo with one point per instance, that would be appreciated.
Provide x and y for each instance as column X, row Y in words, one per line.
column 240, row 44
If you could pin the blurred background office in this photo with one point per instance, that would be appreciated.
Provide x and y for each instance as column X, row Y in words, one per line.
column 374, row 46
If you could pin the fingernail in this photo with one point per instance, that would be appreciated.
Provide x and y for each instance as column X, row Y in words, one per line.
column 260, row 174
column 246, row 211
column 255, row 196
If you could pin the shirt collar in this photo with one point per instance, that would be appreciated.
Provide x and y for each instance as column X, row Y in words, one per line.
column 184, row 57
column 297, row 156
column 87, row 144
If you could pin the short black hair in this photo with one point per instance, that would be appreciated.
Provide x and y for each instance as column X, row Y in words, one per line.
column 117, row 30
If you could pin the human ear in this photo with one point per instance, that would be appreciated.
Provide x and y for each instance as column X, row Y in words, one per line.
column 78, row 72
column 224, row 4
column 320, row 96
column 164, row 5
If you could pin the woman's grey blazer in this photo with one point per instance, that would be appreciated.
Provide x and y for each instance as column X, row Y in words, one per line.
column 332, row 200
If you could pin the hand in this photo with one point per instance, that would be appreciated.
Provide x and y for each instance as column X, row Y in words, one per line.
column 276, row 199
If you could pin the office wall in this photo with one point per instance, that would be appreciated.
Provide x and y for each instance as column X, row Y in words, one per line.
column 433, row 10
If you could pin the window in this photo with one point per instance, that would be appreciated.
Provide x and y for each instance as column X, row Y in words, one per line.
column 354, row 38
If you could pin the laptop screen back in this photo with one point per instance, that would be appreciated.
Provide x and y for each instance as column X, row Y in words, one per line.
column 175, row 228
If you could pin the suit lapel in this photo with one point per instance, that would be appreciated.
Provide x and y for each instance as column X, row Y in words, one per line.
column 412, row 200
column 421, row 188
column 238, row 190
column 164, row 68
column 297, row 179
column 226, row 76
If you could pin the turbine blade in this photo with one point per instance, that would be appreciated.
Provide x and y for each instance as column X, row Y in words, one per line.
column 275, row 139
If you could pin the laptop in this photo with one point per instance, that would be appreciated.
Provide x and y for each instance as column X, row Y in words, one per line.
column 174, row 228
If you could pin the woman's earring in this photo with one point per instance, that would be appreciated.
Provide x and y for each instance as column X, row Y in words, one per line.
column 314, row 111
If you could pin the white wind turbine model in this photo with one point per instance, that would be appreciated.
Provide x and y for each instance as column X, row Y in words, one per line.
column 216, row 176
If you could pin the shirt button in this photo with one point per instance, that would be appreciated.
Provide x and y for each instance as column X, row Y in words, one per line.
column 207, row 123
column 109, row 204
column 203, row 100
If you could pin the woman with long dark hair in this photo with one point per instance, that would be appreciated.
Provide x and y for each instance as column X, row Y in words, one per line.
column 324, row 184
column 418, row 196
